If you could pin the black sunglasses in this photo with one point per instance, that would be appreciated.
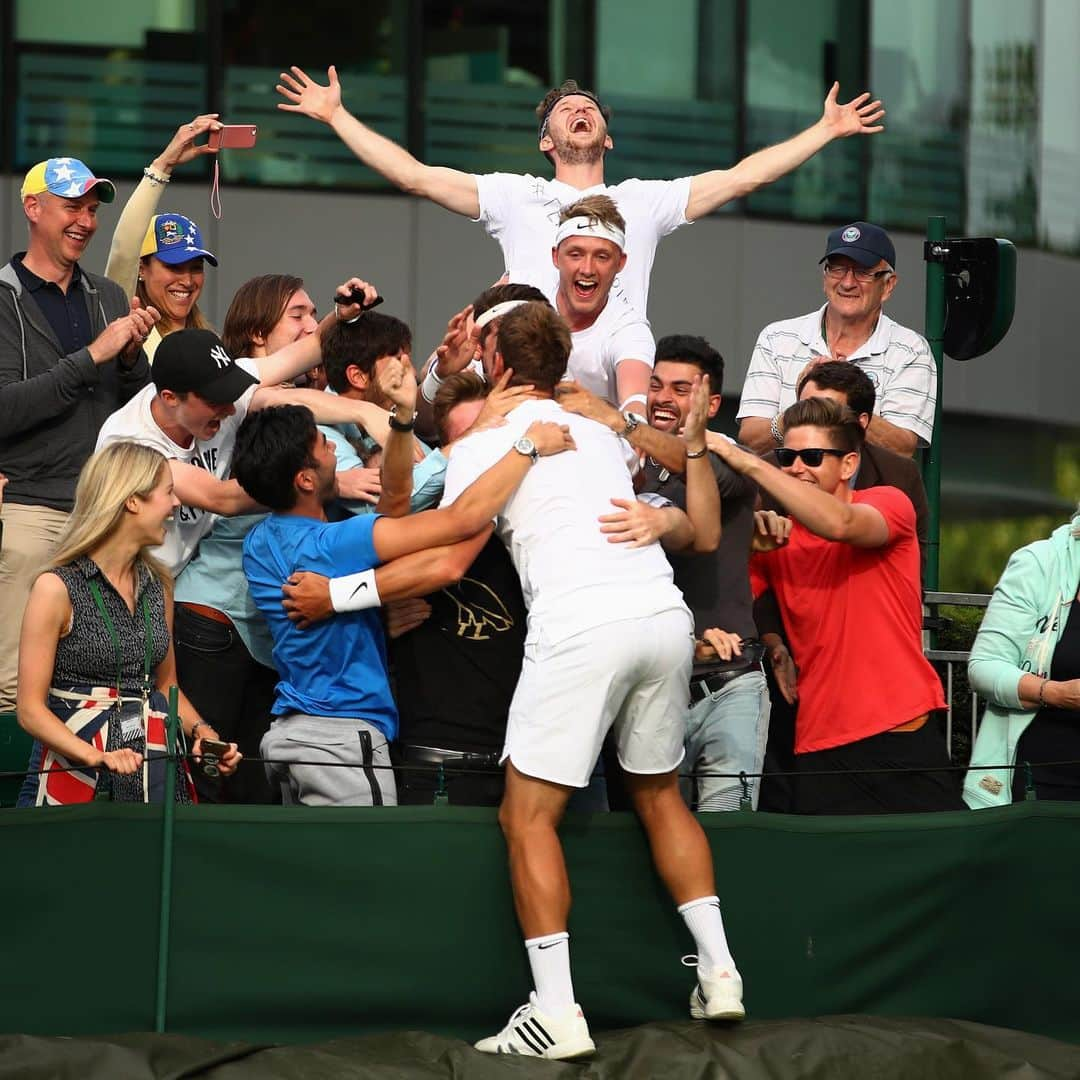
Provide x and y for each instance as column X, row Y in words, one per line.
column 812, row 455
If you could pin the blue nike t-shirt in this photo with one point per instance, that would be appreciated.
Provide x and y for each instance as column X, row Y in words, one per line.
column 336, row 667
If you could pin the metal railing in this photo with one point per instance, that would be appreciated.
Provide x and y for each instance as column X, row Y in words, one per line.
column 963, row 702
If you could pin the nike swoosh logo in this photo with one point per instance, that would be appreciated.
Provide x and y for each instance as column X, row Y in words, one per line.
column 549, row 945
column 362, row 585
column 581, row 227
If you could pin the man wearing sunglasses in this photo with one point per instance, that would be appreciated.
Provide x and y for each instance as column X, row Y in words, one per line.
column 859, row 270
column 848, row 587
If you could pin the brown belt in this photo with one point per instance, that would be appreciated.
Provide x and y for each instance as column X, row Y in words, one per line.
column 912, row 725
column 207, row 612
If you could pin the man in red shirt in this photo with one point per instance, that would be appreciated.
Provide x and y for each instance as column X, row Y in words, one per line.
column 848, row 586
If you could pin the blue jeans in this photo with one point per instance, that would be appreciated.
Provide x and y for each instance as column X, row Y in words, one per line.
column 726, row 733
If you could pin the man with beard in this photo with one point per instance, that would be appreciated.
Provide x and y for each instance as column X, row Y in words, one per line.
column 522, row 212
column 333, row 706
column 727, row 722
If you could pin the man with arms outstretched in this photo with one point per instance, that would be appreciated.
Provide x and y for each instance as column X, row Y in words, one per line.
column 522, row 212
column 608, row 645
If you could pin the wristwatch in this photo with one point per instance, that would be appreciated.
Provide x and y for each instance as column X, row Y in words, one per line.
column 401, row 425
column 527, row 447
column 632, row 421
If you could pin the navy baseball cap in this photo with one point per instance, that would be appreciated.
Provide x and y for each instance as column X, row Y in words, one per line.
column 174, row 239
column 865, row 243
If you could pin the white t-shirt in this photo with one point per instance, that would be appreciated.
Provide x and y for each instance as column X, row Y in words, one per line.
column 619, row 333
column 897, row 361
column 522, row 214
column 135, row 422
column 571, row 577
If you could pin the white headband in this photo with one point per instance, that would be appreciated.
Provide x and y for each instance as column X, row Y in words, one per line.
column 497, row 312
column 589, row 226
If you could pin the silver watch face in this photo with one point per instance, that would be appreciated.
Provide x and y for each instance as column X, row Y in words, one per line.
column 526, row 446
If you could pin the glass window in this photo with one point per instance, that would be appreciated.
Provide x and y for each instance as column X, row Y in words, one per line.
column 1003, row 138
column 487, row 65
column 1059, row 152
column 794, row 52
column 110, row 86
column 368, row 43
column 918, row 67
column 669, row 74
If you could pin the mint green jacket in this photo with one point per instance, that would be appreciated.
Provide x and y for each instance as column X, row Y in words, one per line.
column 1023, row 623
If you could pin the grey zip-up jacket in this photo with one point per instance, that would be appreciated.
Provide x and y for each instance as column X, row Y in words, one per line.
column 51, row 405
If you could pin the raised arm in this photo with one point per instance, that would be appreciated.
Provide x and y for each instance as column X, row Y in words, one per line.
column 474, row 507
column 822, row 513
column 666, row 450
column 397, row 381
column 702, row 490
column 710, row 190
column 123, row 264
column 448, row 187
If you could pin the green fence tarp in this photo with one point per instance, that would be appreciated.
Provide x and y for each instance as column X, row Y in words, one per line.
column 836, row 1048
column 302, row 925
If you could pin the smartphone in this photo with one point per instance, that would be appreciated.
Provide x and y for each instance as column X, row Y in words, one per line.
column 214, row 748
column 233, row 137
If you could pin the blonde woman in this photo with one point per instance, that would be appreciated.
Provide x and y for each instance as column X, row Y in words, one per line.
column 160, row 257
column 96, row 654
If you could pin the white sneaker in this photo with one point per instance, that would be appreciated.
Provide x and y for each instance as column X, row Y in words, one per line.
column 717, row 996
column 535, row 1034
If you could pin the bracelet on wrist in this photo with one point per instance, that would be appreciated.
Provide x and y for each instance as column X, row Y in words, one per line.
column 774, row 430
column 1042, row 693
column 402, row 425
column 194, row 733
column 697, row 453
column 155, row 178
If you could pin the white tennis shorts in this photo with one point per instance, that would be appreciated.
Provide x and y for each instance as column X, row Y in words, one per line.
column 632, row 674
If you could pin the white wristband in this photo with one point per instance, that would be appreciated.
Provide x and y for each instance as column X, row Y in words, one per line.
column 625, row 406
column 354, row 592
column 430, row 386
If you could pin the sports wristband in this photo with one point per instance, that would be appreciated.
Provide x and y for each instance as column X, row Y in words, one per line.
column 430, row 386
column 625, row 406
column 354, row 592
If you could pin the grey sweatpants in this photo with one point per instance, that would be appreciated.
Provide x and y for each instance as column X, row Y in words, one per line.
column 345, row 761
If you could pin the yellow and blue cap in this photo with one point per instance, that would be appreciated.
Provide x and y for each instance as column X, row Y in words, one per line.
column 174, row 239
column 67, row 177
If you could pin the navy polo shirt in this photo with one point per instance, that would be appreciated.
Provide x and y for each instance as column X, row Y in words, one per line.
column 67, row 313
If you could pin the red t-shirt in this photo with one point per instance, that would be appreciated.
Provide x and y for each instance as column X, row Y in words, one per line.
column 854, row 621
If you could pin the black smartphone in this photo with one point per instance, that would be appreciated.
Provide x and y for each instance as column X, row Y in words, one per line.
column 356, row 297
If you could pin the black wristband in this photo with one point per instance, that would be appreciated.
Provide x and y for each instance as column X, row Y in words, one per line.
column 397, row 425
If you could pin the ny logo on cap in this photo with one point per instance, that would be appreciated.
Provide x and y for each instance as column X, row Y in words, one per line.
column 220, row 356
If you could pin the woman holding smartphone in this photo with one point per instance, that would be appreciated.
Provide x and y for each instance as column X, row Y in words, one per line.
column 96, row 655
column 160, row 258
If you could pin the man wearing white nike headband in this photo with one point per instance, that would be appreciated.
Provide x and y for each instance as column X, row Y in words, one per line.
column 613, row 347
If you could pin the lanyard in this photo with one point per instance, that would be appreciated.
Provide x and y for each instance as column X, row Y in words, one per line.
column 95, row 590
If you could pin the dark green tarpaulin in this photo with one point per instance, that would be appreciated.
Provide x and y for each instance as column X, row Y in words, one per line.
column 301, row 925
column 836, row 1048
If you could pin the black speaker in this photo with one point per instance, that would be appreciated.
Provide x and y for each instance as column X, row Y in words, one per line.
column 980, row 294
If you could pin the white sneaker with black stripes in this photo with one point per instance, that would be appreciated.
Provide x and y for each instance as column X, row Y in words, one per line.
column 535, row 1034
column 717, row 997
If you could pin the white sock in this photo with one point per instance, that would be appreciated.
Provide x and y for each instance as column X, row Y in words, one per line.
column 549, row 958
column 704, row 921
